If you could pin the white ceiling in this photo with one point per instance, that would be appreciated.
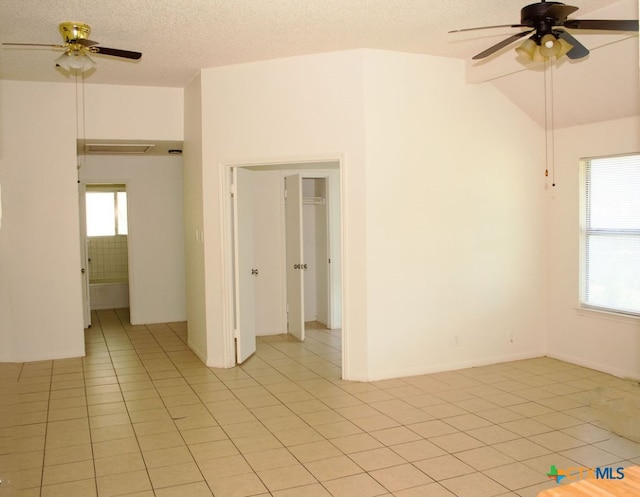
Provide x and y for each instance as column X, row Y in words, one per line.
column 179, row 37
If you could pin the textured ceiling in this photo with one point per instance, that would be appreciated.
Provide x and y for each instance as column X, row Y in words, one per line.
column 179, row 37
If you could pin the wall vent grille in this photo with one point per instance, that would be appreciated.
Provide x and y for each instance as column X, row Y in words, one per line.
column 117, row 148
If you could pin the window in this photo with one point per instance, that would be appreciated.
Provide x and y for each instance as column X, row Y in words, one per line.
column 610, row 234
column 106, row 210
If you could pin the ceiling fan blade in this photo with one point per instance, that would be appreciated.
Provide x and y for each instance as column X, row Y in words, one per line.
column 606, row 24
column 33, row 45
column 502, row 44
column 489, row 27
column 560, row 11
column 84, row 42
column 578, row 51
column 116, row 52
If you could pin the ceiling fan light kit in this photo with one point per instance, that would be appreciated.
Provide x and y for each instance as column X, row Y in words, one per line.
column 75, row 59
column 561, row 47
column 527, row 49
column 549, row 47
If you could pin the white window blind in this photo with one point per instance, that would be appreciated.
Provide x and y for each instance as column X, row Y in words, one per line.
column 610, row 234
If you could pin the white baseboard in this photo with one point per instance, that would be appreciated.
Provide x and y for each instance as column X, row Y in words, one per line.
column 453, row 366
column 51, row 356
column 603, row 368
column 200, row 355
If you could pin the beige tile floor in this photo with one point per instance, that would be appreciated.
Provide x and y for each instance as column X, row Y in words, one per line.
column 141, row 416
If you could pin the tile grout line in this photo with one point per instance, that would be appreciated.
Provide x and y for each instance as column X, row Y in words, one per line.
column 115, row 372
column 86, row 394
column 127, row 333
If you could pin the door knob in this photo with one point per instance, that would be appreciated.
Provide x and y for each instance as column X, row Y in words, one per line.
column 254, row 272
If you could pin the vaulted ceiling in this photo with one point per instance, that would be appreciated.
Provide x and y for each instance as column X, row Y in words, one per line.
column 179, row 37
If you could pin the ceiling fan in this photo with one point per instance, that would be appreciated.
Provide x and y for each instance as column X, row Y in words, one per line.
column 547, row 23
column 77, row 47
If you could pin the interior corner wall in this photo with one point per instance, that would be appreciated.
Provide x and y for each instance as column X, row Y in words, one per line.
column 455, row 220
column 600, row 341
column 443, row 215
column 40, row 282
column 279, row 111
column 193, row 220
column 156, row 230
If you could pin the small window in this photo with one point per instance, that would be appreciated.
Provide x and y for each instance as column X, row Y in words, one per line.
column 106, row 207
column 610, row 234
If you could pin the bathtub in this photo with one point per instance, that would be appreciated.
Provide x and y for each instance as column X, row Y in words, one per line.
column 109, row 294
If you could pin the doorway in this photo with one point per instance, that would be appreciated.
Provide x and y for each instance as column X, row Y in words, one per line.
column 104, row 244
column 316, row 241
column 258, row 229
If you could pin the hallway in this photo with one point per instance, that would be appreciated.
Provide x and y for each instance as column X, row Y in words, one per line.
column 141, row 416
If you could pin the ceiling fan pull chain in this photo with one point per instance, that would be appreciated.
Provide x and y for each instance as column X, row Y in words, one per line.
column 549, row 130
column 546, row 119
column 553, row 130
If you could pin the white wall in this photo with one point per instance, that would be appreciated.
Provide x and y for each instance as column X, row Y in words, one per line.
column 593, row 339
column 156, row 231
column 40, row 285
column 134, row 113
column 455, row 220
column 443, row 213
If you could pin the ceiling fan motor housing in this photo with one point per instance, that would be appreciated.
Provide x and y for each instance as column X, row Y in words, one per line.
column 543, row 17
column 72, row 31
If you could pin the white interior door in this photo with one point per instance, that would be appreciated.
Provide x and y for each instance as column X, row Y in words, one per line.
column 84, row 257
column 294, row 255
column 245, row 272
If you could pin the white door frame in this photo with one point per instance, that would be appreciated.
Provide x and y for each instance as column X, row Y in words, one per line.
column 306, row 167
